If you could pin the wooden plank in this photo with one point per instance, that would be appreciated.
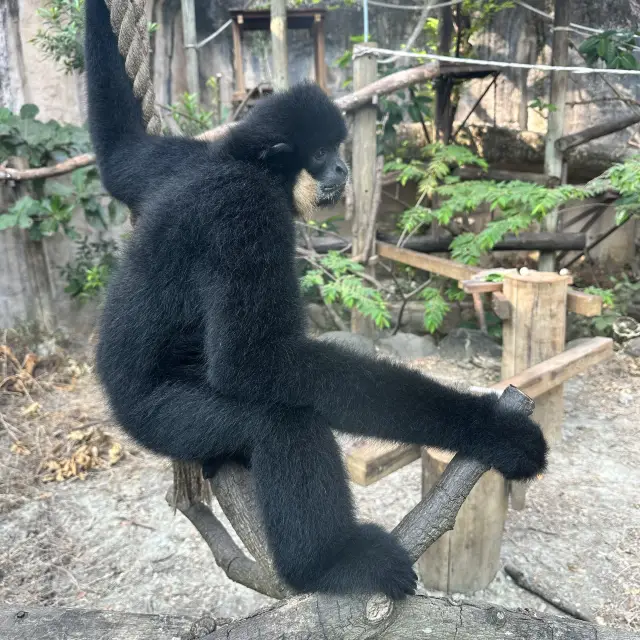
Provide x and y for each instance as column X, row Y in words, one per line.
column 480, row 286
column 77, row 624
column 434, row 264
column 584, row 304
column 545, row 376
column 370, row 462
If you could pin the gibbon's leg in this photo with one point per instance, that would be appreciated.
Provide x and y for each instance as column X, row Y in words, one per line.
column 377, row 397
column 190, row 421
column 308, row 514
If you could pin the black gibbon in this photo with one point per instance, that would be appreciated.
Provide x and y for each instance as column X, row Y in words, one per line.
column 203, row 352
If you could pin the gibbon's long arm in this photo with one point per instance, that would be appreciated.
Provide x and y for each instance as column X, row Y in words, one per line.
column 133, row 165
column 270, row 359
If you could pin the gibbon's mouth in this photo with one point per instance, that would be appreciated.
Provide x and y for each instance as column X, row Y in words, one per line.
column 331, row 196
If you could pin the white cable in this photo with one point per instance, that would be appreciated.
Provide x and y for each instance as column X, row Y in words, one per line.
column 549, row 16
column 362, row 51
column 413, row 7
column 208, row 39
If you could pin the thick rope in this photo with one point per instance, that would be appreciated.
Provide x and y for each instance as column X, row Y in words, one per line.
column 129, row 24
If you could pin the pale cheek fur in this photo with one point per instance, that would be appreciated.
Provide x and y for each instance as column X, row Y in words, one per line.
column 305, row 195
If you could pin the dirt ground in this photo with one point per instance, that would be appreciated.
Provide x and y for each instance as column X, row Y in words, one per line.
column 111, row 542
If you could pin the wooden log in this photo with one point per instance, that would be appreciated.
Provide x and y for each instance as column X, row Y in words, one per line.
column 365, row 72
column 554, row 161
column 526, row 241
column 467, row 558
column 279, row 45
column 314, row 617
column 535, row 381
column 46, row 623
column 592, row 133
column 534, row 333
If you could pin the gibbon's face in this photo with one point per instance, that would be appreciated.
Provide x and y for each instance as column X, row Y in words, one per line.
column 330, row 173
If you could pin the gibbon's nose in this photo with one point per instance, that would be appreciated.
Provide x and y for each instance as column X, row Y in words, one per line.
column 341, row 169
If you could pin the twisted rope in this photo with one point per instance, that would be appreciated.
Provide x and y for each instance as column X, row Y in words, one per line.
column 129, row 24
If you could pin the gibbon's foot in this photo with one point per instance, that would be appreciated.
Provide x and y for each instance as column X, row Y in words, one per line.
column 372, row 561
column 513, row 445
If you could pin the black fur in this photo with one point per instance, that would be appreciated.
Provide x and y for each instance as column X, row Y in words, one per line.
column 202, row 347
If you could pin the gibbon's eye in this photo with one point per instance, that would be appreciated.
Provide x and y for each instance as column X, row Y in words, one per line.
column 320, row 154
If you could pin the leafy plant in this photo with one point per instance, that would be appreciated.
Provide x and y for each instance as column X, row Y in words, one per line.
column 615, row 303
column 52, row 213
column 61, row 34
column 613, row 47
column 190, row 116
column 41, row 143
column 89, row 274
column 339, row 280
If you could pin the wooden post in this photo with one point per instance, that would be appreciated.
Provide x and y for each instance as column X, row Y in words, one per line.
column 238, row 67
column 319, row 50
column 553, row 158
column 466, row 559
column 535, row 332
column 279, row 45
column 191, row 53
column 365, row 71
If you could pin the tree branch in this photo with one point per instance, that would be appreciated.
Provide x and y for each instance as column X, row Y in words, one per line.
column 84, row 160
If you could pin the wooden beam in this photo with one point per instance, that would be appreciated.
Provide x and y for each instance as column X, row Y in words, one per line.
column 190, row 39
column 592, row 133
column 578, row 302
column 369, row 462
column 319, row 50
column 441, row 266
column 279, row 52
column 238, row 66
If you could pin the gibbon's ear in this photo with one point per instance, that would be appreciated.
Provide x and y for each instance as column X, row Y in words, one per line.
column 277, row 151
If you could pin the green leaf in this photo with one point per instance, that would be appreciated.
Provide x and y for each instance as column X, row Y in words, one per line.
column 8, row 220
column 29, row 111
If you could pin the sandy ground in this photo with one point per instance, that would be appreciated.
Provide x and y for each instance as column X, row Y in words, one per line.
column 110, row 541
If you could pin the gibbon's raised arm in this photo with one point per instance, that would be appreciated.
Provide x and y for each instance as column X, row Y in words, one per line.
column 132, row 164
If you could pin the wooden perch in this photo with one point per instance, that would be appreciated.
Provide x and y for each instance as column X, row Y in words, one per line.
column 311, row 618
column 592, row 133
column 67, row 166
